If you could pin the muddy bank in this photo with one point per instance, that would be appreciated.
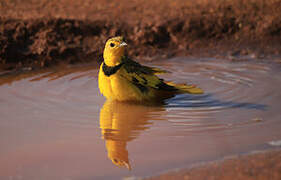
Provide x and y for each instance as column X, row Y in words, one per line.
column 265, row 165
column 35, row 34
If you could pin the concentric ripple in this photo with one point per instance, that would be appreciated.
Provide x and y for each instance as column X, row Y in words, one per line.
column 239, row 90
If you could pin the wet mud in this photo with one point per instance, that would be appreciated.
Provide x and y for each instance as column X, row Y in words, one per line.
column 37, row 34
column 263, row 165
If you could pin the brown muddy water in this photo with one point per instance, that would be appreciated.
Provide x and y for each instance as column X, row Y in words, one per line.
column 55, row 124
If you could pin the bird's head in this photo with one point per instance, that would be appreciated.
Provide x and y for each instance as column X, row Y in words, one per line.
column 114, row 50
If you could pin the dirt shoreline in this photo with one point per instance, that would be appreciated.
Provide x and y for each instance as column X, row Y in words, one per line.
column 36, row 34
column 259, row 165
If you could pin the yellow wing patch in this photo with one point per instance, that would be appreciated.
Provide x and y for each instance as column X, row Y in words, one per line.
column 185, row 88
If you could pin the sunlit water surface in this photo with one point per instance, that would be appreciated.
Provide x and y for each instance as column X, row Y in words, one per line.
column 56, row 125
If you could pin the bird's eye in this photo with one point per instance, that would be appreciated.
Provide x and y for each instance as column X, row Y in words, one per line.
column 112, row 44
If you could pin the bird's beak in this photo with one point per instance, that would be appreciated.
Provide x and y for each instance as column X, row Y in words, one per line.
column 128, row 166
column 123, row 44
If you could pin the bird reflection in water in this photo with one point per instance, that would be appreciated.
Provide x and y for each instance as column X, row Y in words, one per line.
column 121, row 123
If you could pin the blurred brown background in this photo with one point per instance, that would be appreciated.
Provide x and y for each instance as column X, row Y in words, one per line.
column 40, row 33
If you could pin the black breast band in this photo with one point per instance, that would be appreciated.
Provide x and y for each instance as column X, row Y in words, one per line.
column 109, row 70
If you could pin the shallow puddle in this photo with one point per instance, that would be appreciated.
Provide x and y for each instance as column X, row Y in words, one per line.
column 56, row 125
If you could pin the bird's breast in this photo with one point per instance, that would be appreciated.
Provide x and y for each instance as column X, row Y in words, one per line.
column 104, row 83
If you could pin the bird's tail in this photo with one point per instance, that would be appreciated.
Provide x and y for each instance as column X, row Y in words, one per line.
column 185, row 88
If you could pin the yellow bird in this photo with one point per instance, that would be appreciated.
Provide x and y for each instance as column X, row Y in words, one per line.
column 122, row 79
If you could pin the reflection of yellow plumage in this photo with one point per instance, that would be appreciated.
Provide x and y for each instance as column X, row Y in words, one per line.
column 123, row 79
column 120, row 123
